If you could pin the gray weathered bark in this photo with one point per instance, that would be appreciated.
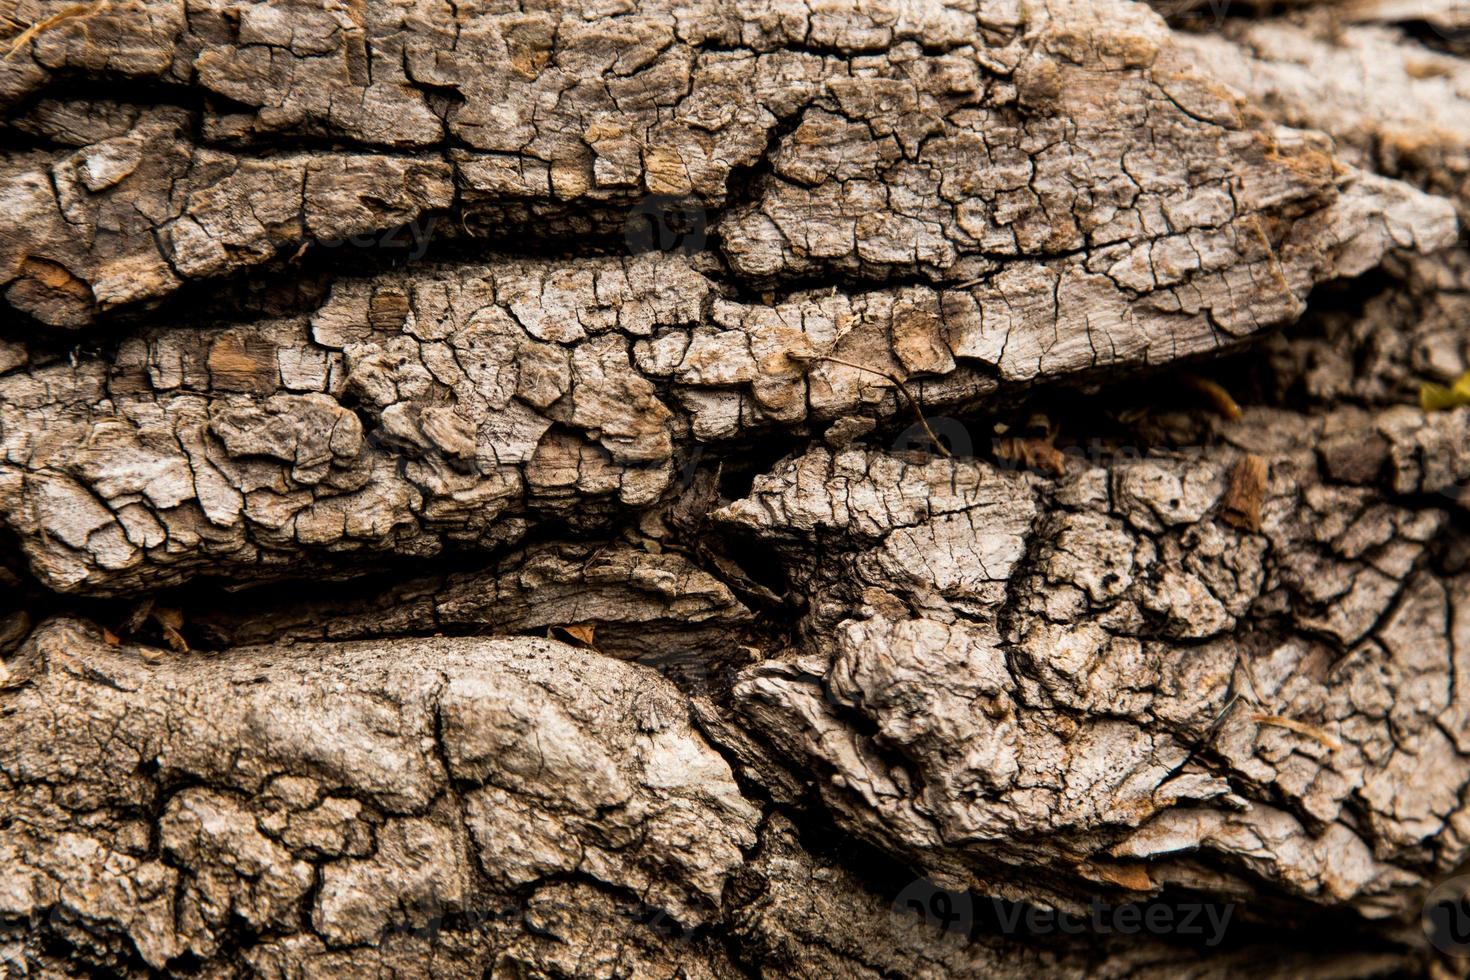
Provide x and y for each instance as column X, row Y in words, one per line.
column 727, row 488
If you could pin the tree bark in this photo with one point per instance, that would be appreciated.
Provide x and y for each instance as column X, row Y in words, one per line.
column 734, row 488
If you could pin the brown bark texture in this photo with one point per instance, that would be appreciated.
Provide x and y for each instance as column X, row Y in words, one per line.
column 730, row 488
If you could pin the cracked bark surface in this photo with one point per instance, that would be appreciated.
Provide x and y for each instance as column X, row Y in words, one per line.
column 540, row 603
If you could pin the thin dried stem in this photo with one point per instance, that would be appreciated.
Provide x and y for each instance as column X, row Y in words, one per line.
column 74, row 12
column 913, row 402
column 1220, row 399
column 1301, row 728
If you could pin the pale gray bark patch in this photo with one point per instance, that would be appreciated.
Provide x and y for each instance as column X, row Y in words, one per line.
column 994, row 682
column 951, row 143
column 469, row 405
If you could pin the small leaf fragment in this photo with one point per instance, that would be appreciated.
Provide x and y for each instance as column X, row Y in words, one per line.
column 1241, row 505
column 582, row 634
column 168, row 618
column 1133, row 876
column 174, row 639
column 1032, row 454
column 138, row 617
column 1439, row 398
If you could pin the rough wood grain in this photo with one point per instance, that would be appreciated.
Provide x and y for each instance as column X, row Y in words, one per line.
column 463, row 511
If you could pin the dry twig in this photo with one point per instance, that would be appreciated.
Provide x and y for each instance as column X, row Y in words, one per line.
column 76, row 11
column 1301, row 728
column 1220, row 399
column 913, row 402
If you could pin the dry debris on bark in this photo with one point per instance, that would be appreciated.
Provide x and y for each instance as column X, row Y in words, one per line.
column 733, row 488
